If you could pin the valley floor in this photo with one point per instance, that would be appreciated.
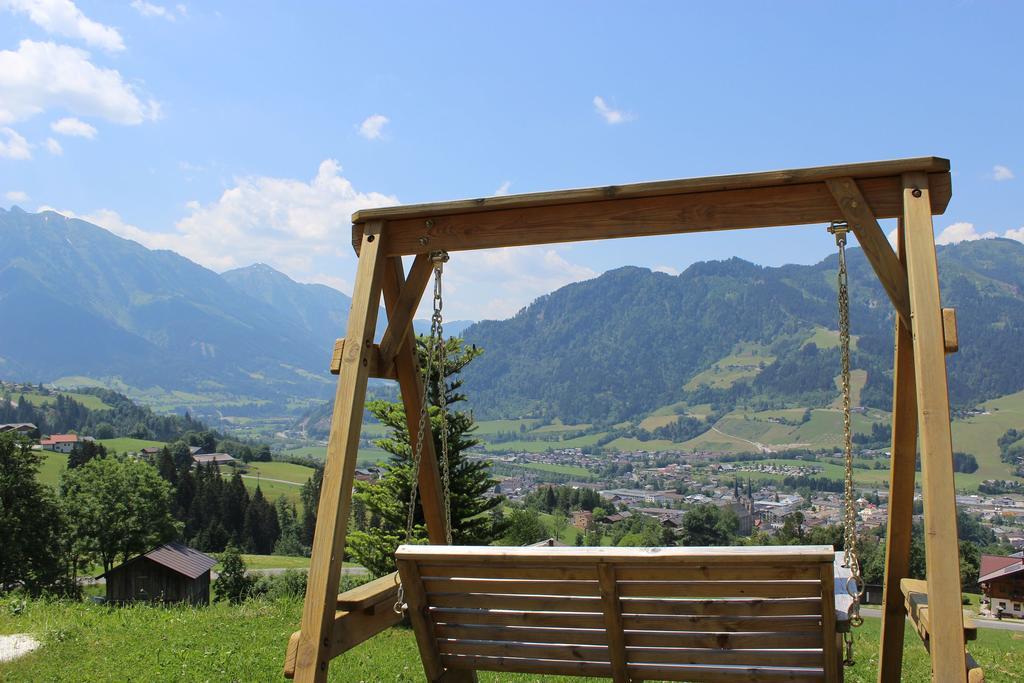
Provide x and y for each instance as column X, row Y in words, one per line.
column 86, row 642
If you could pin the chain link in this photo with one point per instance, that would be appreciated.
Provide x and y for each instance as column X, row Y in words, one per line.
column 854, row 585
column 435, row 345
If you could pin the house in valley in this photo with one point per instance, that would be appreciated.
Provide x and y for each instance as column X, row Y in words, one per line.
column 1002, row 582
column 60, row 443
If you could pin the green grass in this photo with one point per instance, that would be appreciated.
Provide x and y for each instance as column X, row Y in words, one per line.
column 53, row 465
column 85, row 642
column 744, row 363
column 126, row 445
column 272, row 562
column 88, row 400
column 367, row 456
column 285, row 471
column 570, row 470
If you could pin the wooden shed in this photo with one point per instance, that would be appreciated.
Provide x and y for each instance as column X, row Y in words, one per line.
column 171, row 573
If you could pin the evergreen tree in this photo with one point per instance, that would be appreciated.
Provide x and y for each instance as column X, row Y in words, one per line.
column 289, row 542
column 310, row 498
column 84, row 451
column 232, row 584
column 387, row 500
column 261, row 528
column 30, row 523
column 233, row 508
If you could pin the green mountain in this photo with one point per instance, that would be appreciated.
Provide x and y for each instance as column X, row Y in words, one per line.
column 730, row 332
column 79, row 301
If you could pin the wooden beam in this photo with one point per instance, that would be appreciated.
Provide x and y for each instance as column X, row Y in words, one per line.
column 376, row 366
column 613, row 622
column 410, row 383
column 740, row 181
column 950, row 337
column 858, row 214
column 401, row 313
column 313, row 648
column 422, row 624
column 635, row 217
column 901, row 497
column 941, row 548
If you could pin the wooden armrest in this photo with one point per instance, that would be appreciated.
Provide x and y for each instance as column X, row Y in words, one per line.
column 915, row 592
column 369, row 594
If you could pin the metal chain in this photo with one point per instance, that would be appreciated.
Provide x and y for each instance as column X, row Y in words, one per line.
column 854, row 584
column 437, row 335
column 434, row 344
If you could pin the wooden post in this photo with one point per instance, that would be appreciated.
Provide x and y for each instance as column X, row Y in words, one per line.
column 314, row 646
column 410, row 382
column 901, row 496
column 613, row 622
column 942, row 549
column 830, row 655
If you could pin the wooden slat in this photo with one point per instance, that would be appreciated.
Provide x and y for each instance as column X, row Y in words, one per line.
column 613, row 622
column 571, row 556
column 764, row 640
column 522, row 634
column 722, row 589
column 403, row 309
column 512, row 618
column 720, row 624
column 379, row 590
column 410, row 385
column 950, row 336
column 764, row 572
column 526, row 603
column 711, row 656
column 660, row 215
column 530, row 666
column 514, row 587
column 716, row 674
column 901, row 494
column 419, row 615
column 568, row 651
column 940, row 533
column 375, row 366
column 738, row 181
column 318, row 615
column 723, row 607
column 507, row 571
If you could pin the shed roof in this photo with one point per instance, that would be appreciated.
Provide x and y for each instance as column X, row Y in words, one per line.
column 177, row 557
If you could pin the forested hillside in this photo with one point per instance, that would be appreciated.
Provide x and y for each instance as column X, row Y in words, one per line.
column 729, row 332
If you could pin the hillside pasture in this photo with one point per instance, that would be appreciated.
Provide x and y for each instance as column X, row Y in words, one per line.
column 222, row 642
column 128, row 445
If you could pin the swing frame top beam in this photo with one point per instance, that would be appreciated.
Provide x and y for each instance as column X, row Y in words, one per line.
column 748, row 200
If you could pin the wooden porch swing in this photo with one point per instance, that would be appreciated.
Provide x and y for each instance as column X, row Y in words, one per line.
column 754, row 613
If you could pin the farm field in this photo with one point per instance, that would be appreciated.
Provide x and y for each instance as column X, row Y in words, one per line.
column 285, row 471
column 88, row 400
column 82, row 641
column 127, row 445
column 367, row 456
column 53, row 465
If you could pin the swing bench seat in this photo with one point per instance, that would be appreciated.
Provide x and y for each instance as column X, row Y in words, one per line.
column 756, row 613
column 915, row 594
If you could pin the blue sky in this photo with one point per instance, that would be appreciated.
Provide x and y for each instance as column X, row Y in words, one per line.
column 244, row 132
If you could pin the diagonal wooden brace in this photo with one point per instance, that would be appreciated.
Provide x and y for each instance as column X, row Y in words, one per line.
column 891, row 273
column 401, row 312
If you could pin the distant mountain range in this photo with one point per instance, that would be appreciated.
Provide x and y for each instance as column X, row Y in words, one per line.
column 82, row 305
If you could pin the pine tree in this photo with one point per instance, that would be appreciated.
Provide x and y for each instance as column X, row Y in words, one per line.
column 232, row 584
column 260, row 530
column 387, row 500
column 233, row 508
column 290, row 540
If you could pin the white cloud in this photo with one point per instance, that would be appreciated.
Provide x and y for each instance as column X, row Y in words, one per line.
column 495, row 283
column 63, row 18
column 16, row 196
column 1015, row 234
column 668, row 270
column 15, row 146
column 1000, row 172
column 53, row 147
column 961, row 232
column 149, row 9
column 503, row 189
column 372, row 128
column 610, row 116
column 73, row 127
column 38, row 76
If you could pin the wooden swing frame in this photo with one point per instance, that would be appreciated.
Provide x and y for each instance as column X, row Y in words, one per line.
column 911, row 190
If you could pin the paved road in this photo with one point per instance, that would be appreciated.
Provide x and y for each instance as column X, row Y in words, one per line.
column 981, row 622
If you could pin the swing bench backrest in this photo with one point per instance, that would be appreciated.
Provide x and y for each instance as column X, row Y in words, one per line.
column 680, row 614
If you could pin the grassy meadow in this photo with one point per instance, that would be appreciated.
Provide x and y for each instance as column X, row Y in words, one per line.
column 86, row 642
